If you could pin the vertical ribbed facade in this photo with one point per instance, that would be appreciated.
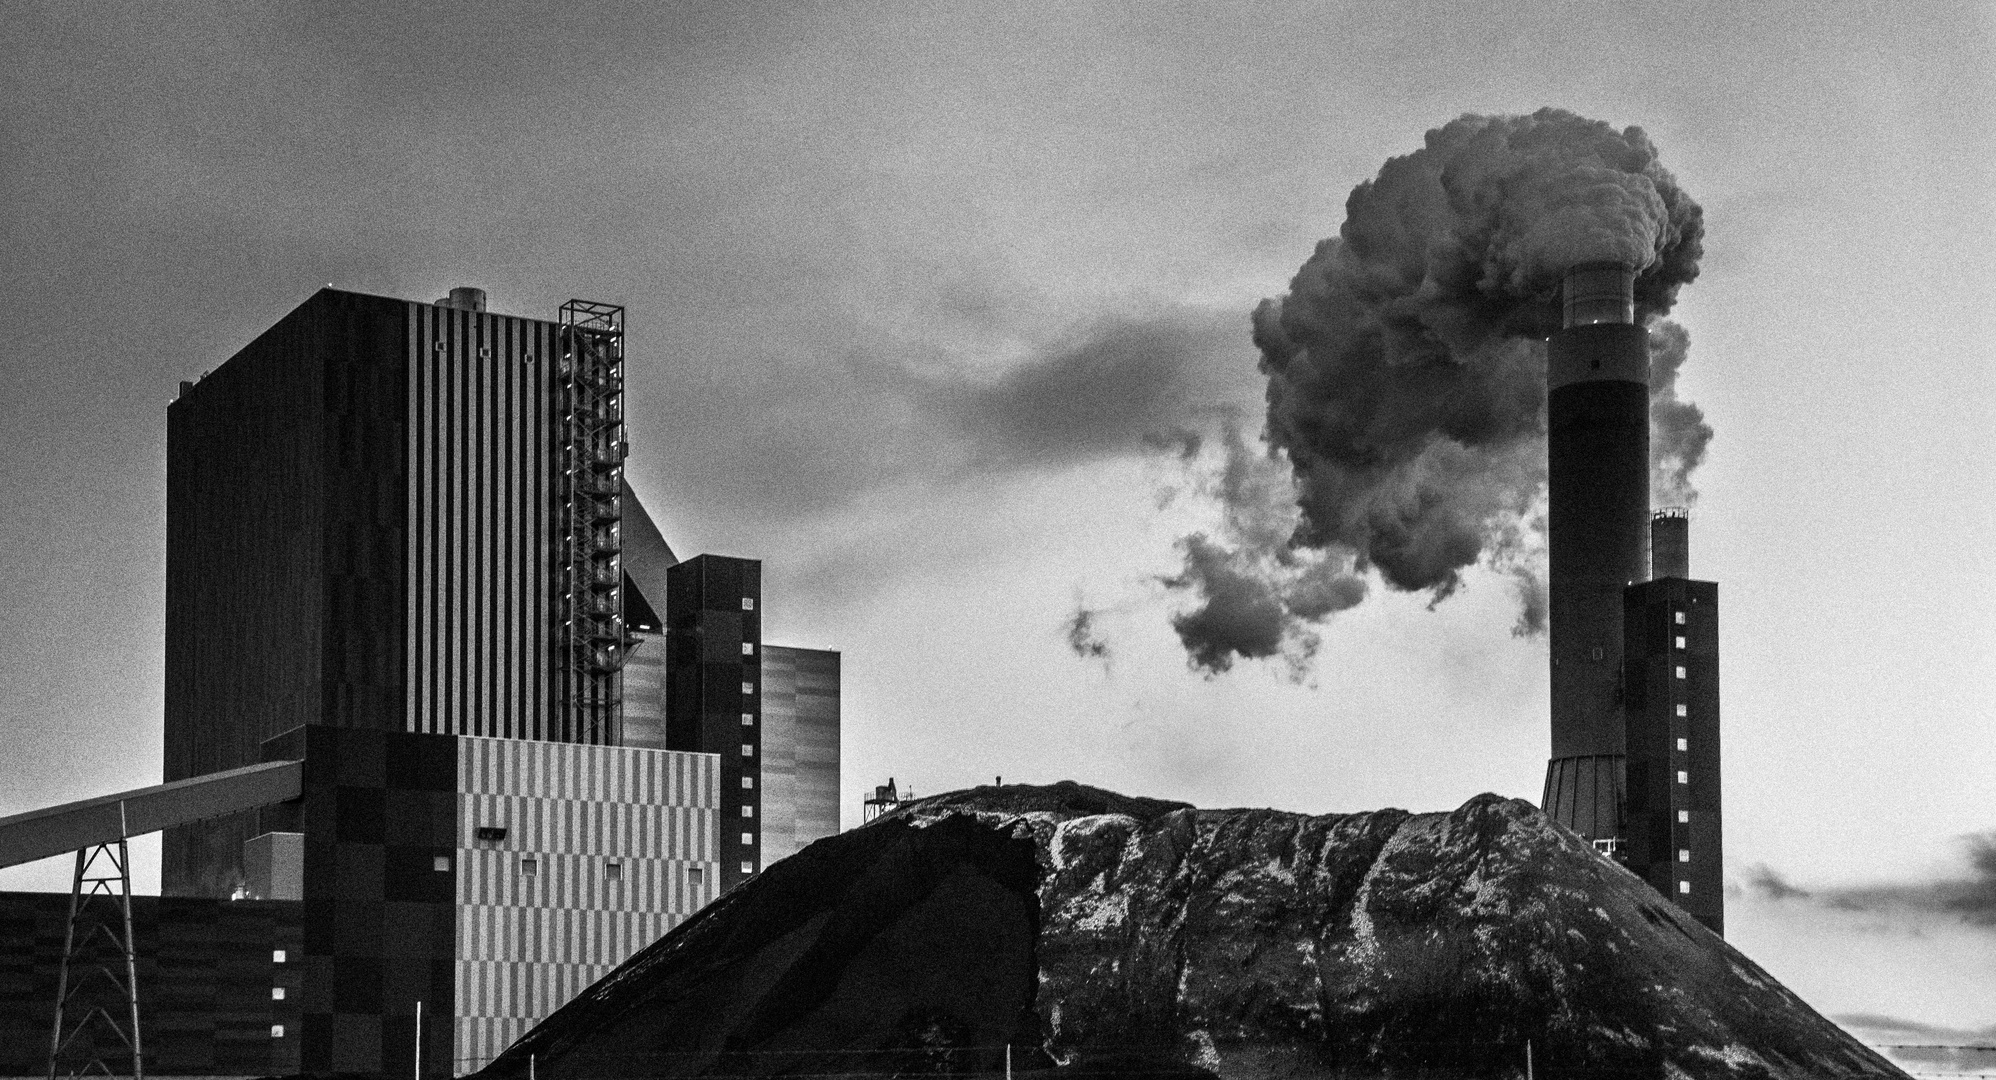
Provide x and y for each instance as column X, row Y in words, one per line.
column 604, row 850
column 479, row 568
column 800, row 748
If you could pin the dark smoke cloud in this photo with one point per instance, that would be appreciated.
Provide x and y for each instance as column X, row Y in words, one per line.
column 1135, row 383
column 1259, row 596
column 1082, row 638
column 1406, row 381
column 1678, row 433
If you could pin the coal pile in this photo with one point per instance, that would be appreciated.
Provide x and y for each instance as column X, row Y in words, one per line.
column 1086, row 933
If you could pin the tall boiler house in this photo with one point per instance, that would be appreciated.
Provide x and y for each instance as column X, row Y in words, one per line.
column 1597, row 418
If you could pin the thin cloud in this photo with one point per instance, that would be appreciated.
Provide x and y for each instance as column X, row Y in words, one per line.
column 1970, row 899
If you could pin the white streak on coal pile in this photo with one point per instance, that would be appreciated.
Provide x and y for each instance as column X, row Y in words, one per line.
column 1406, row 370
column 1678, row 433
column 1259, row 596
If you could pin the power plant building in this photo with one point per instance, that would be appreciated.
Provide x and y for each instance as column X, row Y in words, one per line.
column 402, row 551
column 1671, row 828
column 1634, row 643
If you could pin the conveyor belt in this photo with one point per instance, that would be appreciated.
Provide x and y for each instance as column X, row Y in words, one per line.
column 56, row 830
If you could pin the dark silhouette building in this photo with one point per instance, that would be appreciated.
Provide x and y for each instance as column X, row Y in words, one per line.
column 1672, row 823
column 713, row 690
column 1634, row 643
column 1597, row 466
column 401, row 549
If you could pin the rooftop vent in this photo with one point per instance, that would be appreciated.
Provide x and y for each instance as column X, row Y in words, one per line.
column 464, row 298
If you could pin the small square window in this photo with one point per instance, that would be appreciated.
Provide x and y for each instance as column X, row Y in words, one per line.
column 1680, row 641
column 748, row 688
column 695, row 875
column 748, row 782
column 1683, row 854
column 277, row 993
column 441, row 864
column 1682, row 777
column 613, row 870
column 1684, row 817
column 748, row 604
column 277, row 956
column 748, row 839
column 748, row 719
column 748, row 811
column 748, row 648
column 1684, row 744
column 1680, row 671
column 1680, row 618
column 277, row 1031
column 530, row 866
column 748, row 867
column 1683, row 711
column 748, row 750
column 1683, row 887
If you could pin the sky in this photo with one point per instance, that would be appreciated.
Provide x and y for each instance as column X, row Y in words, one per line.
column 929, row 306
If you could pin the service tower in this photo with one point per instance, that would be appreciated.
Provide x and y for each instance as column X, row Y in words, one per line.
column 1597, row 418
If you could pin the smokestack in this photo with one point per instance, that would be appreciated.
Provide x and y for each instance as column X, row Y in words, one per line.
column 464, row 298
column 1670, row 543
column 1597, row 479
column 1602, row 292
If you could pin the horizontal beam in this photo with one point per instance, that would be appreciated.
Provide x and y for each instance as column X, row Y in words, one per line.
column 39, row 834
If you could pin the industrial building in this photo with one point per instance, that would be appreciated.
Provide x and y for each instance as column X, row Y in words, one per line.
column 515, row 737
column 1634, row 642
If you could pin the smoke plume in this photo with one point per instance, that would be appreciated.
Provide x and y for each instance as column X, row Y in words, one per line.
column 1678, row 433
column 1259, row 595
column 1082, row 638
column 1406, row 371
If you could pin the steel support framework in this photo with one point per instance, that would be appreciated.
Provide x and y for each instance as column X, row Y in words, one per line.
column 97, row 946
column 590, row 640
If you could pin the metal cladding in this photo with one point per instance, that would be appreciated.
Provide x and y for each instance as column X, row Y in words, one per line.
column 1670, row 543
column 1585, row 793
column 1598, row 485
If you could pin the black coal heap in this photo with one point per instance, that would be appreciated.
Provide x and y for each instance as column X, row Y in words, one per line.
column 1092, row 934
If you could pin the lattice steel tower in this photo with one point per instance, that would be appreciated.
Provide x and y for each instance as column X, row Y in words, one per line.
column 588, row 401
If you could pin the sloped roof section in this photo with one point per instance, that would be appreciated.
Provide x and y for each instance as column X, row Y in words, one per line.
column 646, row 554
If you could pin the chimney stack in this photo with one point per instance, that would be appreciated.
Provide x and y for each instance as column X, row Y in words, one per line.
column 1670, row 543
column 1597, row 479
column 1602, row 292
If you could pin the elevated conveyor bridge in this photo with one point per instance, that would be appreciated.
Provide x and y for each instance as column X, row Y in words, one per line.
column 98, row 944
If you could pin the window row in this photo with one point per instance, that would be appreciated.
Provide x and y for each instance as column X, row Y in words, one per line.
column 613, row 870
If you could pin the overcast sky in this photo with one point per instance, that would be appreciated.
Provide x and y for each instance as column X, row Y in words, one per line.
column 925, row 301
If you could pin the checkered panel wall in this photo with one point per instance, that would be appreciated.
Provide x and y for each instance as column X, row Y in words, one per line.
column 605, row 849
